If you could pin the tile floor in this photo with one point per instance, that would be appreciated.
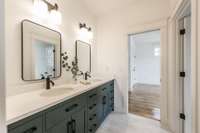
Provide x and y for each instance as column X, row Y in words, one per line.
column 129, row 123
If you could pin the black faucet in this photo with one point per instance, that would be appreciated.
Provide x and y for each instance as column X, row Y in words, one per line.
column 86, row 75
column 49, row 82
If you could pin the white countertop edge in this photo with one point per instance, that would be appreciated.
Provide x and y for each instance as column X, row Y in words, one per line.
column 35, row 111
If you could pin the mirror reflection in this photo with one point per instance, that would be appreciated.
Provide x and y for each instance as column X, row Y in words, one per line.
column 83, row 55
column 41, row 52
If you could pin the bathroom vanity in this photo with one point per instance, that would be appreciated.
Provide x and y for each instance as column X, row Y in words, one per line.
column 68, row 108
column 81, row 110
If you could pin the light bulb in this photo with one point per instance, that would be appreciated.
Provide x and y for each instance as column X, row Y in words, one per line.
column 40, row 8
column 55, row 17
column 83, row 34
column 90, row 35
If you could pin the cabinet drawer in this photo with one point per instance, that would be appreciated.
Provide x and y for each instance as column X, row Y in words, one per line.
column 92, row 117
column 92, row 106
column 33, row 126
column 64, row 111
column 92, row 126
column 92, row 96
column 105, row 88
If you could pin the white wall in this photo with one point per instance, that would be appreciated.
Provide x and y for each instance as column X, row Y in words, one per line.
column 112, row 42
column 2, row 68
column 147, row 64
column 72, row 11
column 195, row 45
column 173, row 4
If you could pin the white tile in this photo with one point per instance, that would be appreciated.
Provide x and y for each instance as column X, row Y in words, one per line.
column 128, row 123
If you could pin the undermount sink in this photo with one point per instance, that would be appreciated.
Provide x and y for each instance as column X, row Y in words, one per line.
column 56, row 91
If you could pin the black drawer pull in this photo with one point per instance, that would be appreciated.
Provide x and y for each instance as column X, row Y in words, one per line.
column 31, row 130
column 104, row 100
column 111, row 91
column 71, row 108
column 91, row 107
column 90, row 130
column 93, row 95
column 104, row 89
column 112, row 84
column 91, row 118
column 94, row 125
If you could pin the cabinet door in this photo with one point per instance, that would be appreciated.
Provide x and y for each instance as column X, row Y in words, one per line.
column 100, row 116
column 106, row 107
column 62, row 127
column 78, row 121
column 33, row 126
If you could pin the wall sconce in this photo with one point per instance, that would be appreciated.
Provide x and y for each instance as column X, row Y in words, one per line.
column 40, row 8
column 43, row 7
column 83, row 25
column 85, row 32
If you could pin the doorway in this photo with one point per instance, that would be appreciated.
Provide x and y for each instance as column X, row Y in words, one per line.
column 144, row 74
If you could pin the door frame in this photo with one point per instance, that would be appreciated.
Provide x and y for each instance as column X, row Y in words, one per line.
column 162, row 26
column 181, row 65
column 178, row 14
column 2, row 69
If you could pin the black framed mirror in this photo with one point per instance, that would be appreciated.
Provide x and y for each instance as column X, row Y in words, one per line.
column 83, row 55
column 41, row 52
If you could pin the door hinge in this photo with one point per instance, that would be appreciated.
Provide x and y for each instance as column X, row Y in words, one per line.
column 182, row 116
column 182, row 74
column 182, row 31
column 54, row 50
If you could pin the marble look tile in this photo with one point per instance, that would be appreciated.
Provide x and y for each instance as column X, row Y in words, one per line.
column 128, row 123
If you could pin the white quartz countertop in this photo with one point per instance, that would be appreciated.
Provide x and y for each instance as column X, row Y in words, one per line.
column 24, row 105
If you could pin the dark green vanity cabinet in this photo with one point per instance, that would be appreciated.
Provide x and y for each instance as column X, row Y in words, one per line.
column 32, row 124
column 73, row 124
column 107, row 100
column 81, row 114
column 69, row 117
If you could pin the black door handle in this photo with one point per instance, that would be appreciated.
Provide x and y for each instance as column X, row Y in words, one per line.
column 104, row 100
column 69, row 127
column 73, row 126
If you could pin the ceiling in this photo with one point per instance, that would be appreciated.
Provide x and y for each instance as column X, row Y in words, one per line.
column 99, row 7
